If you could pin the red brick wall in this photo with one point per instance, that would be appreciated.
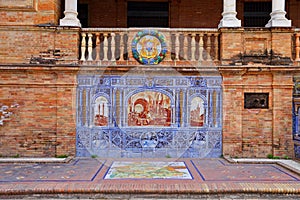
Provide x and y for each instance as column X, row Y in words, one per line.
column 43, row 11
column 235, row 43
column 293, row 12
column 257, row 132
column 18, row 44
column 44, row 123
column 197, row 14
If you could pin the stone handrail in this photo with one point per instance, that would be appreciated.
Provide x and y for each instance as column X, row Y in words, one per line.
column 113, row 45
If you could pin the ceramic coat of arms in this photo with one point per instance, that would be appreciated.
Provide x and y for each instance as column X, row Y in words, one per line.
column 149, row 47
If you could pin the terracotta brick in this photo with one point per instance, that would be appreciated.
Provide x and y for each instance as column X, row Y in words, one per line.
column 258, row 132
column 44, row 123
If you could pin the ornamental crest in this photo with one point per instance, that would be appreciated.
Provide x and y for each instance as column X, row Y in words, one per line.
column 149, row 47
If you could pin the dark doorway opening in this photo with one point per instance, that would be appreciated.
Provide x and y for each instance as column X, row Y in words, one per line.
column 148, row 14
column 257, row 14
column 83, row 15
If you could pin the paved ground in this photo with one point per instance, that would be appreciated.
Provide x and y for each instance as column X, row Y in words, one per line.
column 150, row 179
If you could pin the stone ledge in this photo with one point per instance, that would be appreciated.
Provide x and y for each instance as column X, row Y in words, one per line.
column 35, row 160
column 292, row 165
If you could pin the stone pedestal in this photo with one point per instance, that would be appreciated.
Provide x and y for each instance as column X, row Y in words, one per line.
column 70, row 18
column 229, row 15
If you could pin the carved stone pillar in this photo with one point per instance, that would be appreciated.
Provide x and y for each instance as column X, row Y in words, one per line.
column 70, row 12
column 278, row 18
column 229, row 15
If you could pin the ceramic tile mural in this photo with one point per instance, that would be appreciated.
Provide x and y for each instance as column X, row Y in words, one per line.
column 148, row 170
column 138, row 116
column 101, row 111
column 149, row 109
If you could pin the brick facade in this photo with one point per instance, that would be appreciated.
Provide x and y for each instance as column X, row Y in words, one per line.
column 19, row 44
column 29, row 12
column 257, row 132
column 39, row 68
column 44, row 122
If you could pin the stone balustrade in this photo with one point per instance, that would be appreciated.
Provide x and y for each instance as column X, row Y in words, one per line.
column 101, row 46
column 297, row 45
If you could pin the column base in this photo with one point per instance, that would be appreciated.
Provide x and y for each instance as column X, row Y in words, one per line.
column 231, row 22
column 278, row 19
column 69, row 22
column 279, row 23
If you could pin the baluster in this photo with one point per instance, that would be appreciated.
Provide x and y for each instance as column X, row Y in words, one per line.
column 105, row 48
column 113, row 47
column 169, row 46
column 193, row 47
column 97, row 46
column 177, row 46
column 200, row 47
column 90, row 47
column 208, row 47
column 121, row 47
column 83, row 46
column 185, row 46
column 216, row 45
column 298, row 47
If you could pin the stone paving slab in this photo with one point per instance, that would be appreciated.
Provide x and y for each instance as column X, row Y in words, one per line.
column 87, row 177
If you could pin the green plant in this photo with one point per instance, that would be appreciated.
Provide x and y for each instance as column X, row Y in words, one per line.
column 61, row 156
column 94, row 156
column 276, row 157
column 168, row 156
column 16, row 156
column 270, row 156
column 286, row 157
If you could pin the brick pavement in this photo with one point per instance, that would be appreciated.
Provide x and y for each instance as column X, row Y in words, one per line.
column 97, row 178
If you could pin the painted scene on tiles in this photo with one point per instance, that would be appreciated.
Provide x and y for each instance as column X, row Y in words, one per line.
column 101, row 108
column 197, row 112
column 149, row 109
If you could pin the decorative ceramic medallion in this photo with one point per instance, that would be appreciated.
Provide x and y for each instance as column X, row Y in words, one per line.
column 149, row 47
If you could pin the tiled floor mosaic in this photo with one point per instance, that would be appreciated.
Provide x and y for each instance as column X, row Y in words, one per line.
column 148, row 170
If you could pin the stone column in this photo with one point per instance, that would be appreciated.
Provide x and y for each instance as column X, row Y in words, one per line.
column 70, row 12
column 229, row 15
column 278, row 18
